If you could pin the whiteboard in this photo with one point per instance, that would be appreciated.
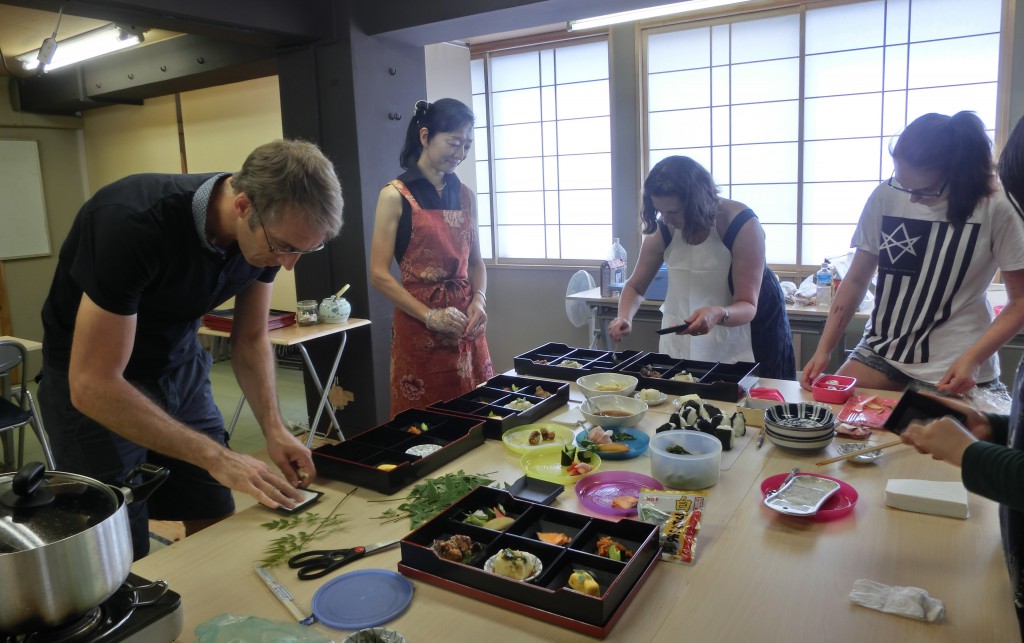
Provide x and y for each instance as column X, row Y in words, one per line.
column 23, row 230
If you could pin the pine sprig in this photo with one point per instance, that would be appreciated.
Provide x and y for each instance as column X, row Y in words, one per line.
column 432, row 496
column 284, row 547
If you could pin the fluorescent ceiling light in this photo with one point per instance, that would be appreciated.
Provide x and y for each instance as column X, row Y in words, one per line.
column 645, row 14
column 85, row 46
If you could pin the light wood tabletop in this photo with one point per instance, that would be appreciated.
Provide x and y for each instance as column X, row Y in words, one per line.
column 296, row 334
column 758, row 575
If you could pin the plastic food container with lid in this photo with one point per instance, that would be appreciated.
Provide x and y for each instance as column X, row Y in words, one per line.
column 833, row 389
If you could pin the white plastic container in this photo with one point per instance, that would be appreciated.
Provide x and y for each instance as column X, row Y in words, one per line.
column 697, row 471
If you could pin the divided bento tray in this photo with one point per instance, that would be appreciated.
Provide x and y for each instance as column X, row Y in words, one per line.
column 356, row 460
column 488, row 402
column 547, row 597
column 714, row 381
column 546, row 361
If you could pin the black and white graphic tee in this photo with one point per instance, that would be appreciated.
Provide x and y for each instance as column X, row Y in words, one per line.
column 930, row 302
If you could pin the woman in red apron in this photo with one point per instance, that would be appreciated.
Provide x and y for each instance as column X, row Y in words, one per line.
column 426, row 221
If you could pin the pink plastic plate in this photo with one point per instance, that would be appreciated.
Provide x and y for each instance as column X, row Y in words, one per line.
column 597, row 490
column 840, row 504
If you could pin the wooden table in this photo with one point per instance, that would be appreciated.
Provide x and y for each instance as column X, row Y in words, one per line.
column 759, row 576
column 296, row 335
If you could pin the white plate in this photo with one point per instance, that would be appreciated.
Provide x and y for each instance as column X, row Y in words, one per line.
column 538, row 566
column 869, row 455
column 654, row 402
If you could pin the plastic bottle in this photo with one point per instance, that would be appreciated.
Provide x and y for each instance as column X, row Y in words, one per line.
column 617, row 253
column 823, row 280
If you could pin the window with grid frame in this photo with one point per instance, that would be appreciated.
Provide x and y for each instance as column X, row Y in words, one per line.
column 793, row 111
column 543, row 147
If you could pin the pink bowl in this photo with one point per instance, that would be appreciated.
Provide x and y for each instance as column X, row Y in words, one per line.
column 840, row 504
column 833, row 389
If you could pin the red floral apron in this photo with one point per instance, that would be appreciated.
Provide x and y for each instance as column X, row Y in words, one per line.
column 428, row 367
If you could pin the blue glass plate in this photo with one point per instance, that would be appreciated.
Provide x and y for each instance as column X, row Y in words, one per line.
column 361, row 599
column 637, row 446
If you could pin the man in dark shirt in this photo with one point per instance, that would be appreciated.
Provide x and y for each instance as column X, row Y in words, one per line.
column 125, row 379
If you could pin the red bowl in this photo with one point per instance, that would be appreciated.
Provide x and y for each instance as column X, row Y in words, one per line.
column 833, row 389
column 841, row 503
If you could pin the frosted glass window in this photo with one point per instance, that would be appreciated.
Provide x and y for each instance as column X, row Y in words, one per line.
column 766, row 163
column 516, row 71
column 720, row 126
column 932, row 19
column 553, row 238
column 480, row 110
column 480, row 143
column 483, row 209
column 842, row 116
column 836, row 202
column 519, row 207
column 719, row 165
column 551, row 172
column 679, row 90
column 476, row 76
column 586, row 242
column 584, row 171
column 581, row 100
column 822, row 241
column 520, row 241
column 771, row 203
column 585, row 206
column 687, row 128
column 894, row 110
column 774, row 80
column 897, row 21
column 765, row 122
column 579, row 63
column 766, row 39
column 551, row 213
column 952, row 62
column 980, row 99
column 522, row 106
column 548, row 109
column 779, row 243
column 550, row 129
column 845, row 160
column 483, row 177
column 675, row 50
column 486, row 241
column 701, row 155
column 847, row 26
column 720, row 45
column 720, row 86
column 517, row 140
column 547, row 67
column 896, row 67
column 847, row 72
column 518, row 174
column 584, row 135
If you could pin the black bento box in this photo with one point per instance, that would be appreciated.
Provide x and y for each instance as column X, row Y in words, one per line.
column 488, row 402
column 356, row 460
column 547, row 360
column 548, row 596
column 713, row 381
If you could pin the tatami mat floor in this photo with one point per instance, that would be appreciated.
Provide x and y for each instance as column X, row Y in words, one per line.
column 246, row 438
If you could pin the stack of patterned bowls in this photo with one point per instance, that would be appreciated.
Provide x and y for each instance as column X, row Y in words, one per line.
column 800, row 427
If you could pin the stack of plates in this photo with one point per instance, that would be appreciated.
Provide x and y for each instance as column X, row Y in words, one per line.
column 801, row 427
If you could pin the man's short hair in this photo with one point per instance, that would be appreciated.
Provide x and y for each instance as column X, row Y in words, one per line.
column 285, row 174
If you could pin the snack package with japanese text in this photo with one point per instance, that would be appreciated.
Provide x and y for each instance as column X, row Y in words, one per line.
column 678, row 514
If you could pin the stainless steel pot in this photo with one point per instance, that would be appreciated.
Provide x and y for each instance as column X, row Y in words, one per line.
column 65, row 544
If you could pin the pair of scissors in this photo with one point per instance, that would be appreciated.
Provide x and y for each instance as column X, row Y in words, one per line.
column 317, row 564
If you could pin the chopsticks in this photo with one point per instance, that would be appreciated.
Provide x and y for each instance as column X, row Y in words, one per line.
column 852, row 454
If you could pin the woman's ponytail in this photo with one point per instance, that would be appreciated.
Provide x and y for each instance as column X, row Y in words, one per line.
column 969, row 168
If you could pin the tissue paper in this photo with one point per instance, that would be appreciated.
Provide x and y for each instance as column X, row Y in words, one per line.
column 928, row 496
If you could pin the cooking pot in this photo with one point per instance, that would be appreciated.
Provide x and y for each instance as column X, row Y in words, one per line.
column 65, row 544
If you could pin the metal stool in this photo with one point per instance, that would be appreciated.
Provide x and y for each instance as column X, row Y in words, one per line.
column 17, row 408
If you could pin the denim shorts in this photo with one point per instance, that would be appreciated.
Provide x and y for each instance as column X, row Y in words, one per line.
column 83, row 446
column 865, row 355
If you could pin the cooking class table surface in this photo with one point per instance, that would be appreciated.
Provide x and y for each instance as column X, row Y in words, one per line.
column 758, row 575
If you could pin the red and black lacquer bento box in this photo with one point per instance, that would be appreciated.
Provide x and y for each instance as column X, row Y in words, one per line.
column 562, row 362
column 489, row 402
column 712, row 380
column 548, row 596
column 357, row 460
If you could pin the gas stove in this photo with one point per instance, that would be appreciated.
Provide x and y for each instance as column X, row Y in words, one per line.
column 138, row 612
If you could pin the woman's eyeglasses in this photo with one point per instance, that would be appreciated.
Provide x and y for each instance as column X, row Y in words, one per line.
column 287, row 251
column 921, row 194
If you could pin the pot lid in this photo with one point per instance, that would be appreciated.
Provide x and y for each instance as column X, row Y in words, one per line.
column 39, row 507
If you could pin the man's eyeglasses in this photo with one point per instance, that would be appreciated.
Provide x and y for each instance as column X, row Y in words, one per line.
column 287, row 251
column 921, row 194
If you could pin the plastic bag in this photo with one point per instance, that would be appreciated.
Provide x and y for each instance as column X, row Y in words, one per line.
column 678, row 513
column 229, row 628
